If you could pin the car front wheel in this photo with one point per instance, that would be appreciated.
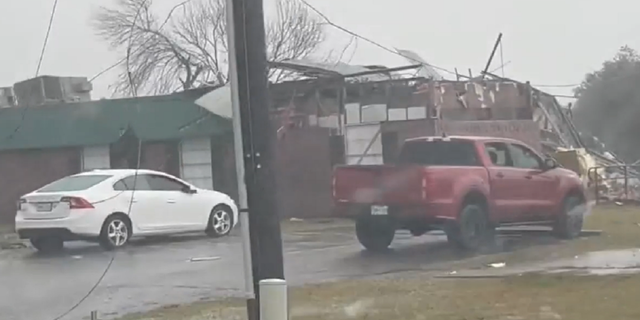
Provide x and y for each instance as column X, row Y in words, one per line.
column 220, row 222
column 115, row 233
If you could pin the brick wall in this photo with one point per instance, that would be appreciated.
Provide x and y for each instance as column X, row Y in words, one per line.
column 24, row 171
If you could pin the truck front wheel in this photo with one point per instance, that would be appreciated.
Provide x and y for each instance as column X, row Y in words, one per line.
column 472, row 230
column 375, row 233
column 569, row 223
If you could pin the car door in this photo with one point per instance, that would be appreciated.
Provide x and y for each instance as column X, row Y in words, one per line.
column 137, row 199
column 540, row 184
column 504, row 181
column 181, row 209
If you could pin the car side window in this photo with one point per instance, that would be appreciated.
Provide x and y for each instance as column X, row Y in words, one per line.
column 524, row 158
column 498, row 152
column 162, row 183
column 140, row 182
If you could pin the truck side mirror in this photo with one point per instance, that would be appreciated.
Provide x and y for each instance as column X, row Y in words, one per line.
column 550, row 163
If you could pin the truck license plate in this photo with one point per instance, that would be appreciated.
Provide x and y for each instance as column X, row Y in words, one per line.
column 379, row 210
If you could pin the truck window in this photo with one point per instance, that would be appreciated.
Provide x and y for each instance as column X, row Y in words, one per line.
column 524, row 158
column 498, row 152
column 439, row 153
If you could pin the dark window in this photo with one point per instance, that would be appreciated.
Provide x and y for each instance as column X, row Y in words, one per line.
column 161, row 183
column 74, row 183
column 499, row 154
column 134, row 182
column 523, row 157
column 439, row 153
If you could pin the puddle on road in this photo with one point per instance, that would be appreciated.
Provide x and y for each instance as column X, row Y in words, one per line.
column 593, row 263
column 600, row 263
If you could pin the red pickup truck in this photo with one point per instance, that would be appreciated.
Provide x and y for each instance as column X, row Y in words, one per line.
column 466, row 186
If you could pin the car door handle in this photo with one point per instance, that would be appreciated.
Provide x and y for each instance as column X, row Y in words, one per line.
column 171, row 201
column 500, row 175
column 528, row 177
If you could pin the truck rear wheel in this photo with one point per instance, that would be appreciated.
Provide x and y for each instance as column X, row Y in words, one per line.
column 472, row 230
column 375, row 233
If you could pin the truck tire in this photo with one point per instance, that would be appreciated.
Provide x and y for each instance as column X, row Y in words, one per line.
column 569, row 223
column 375, row 233
column 472, row 230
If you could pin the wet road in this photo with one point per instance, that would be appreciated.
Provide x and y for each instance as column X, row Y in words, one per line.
column 150, row 274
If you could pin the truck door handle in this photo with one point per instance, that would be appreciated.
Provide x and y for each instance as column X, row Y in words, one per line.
column 500, row 175
column 171, row 201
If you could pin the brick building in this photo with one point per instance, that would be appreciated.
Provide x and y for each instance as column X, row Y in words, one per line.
column 41, row 144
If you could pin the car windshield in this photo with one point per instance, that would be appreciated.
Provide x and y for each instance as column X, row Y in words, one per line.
column 74, row 183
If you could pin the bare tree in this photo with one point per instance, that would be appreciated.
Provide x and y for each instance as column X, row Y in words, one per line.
column 190, row 50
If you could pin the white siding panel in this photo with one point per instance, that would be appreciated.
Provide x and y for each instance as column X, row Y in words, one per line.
column 358, row 138
column 95, row 157
column 195, row 164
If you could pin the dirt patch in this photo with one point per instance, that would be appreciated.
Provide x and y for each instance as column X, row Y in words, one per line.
column 423, row 296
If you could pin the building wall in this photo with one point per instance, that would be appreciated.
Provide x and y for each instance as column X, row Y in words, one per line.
column 161, row 156
column 26, row 170
column 303, row 173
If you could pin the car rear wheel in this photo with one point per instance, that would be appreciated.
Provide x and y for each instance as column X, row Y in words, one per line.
column 115, row 233
column 472, row 230
column 220, row 222
column 47, row 244
column 375, row 233
column 569, row 223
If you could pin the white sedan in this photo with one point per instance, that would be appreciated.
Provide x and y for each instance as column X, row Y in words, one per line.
column 112, row 206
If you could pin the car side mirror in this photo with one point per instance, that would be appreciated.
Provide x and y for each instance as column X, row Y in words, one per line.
column 189, row 190
column 550, row 163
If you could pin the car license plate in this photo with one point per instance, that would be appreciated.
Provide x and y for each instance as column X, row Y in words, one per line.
column 42, row 207
column 379, row 210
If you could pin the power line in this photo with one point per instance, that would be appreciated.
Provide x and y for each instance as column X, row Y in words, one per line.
column 44, row 48
column 377, row 44
column 12, row 134
column 135, row 176
column 46, row 37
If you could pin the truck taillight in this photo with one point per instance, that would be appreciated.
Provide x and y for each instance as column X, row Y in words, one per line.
column 77, row 203
column 424, row 188
column 333, row 186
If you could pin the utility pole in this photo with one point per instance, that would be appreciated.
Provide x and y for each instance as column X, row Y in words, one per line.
column 248, row 73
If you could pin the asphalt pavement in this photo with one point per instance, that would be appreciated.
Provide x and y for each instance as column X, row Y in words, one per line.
column 154, row 273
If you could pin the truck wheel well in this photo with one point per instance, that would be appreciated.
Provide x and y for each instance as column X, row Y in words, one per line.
column 575, row 192
column 477, row 198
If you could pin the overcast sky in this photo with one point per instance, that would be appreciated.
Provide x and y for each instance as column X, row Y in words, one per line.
column 547, row 42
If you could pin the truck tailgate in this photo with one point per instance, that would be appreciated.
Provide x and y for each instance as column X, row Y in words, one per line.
column 383, row 184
